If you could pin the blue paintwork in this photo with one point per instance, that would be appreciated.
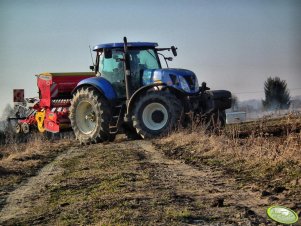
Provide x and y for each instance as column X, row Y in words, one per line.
column 121, row 45
column 101, row 84
column 150, row 76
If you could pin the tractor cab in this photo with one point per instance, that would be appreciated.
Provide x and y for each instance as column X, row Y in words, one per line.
column 143, row 66
column 110, row 63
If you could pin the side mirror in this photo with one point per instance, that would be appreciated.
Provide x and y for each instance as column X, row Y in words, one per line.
column 92, row 67
column 174, row 50
column 108, row 53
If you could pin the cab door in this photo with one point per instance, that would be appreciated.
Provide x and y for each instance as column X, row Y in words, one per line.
column 112, row 69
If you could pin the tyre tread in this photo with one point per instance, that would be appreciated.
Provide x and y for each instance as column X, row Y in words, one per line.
column 174, row 104
column 103, row 113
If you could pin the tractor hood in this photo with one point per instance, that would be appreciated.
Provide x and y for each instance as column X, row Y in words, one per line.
column 179, row 78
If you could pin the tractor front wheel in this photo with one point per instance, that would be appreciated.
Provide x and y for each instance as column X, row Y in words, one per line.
column 156, row 113
column 90, row 116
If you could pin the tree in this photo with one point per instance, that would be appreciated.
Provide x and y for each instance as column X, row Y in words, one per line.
column 276, row 94
column 8, row 111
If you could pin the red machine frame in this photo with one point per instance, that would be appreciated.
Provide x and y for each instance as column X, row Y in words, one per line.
column 52, row 110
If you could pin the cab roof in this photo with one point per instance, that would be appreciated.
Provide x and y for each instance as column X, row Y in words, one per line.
column 121, row 44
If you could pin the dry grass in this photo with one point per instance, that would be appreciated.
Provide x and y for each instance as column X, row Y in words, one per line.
column 19, row 156
column 19, row 150
column 259, row 157
column 116, row 184
column 267, row 126
column 21, row 160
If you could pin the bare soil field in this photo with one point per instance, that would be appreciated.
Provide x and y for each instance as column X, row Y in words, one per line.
column 187, row 178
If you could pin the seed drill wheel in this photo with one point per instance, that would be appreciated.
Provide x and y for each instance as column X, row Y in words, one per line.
column 90, row 116
column 156, row 113
column 18, row 128
column 25, row 128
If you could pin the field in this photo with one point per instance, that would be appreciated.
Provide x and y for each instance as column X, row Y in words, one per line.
column 191, row 177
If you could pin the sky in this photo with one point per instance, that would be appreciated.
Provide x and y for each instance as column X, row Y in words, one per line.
column 229, row 44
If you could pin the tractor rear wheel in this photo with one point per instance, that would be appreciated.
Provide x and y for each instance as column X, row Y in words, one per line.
column 90, row 116
column 156, row 113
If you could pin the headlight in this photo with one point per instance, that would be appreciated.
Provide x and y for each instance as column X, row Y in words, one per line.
column 184, row 84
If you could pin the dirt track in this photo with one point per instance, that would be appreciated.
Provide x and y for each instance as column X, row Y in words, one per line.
column 149, row 188
column 20, row 201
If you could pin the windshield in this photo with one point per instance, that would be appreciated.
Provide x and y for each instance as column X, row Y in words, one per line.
column 112, row 68
column 145, row 59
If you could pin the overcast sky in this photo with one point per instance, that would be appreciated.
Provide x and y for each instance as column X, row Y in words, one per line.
column 230, row 44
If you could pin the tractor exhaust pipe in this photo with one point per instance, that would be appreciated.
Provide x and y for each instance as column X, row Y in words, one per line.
column 127, row 72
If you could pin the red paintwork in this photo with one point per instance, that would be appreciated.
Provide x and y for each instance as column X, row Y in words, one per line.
column 44, row 91
column 67, row 83
column 51, row 122
column 30, row 120
column 56, row 108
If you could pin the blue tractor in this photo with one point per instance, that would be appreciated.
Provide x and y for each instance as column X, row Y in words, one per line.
column 131, row 92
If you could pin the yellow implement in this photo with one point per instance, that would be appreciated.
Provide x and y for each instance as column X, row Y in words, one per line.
column 40, row 116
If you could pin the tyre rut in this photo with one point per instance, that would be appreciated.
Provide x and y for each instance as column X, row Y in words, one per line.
column 19, row 201
column 212, row 188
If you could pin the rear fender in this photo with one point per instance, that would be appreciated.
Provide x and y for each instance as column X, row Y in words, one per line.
column 99, row 83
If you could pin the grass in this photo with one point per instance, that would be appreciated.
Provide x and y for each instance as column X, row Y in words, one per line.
column 19, row 161
column 267, row 126
column 18, row 157
column 177, row 213
column 95, row 186
column 111, row 185
column 116, row 184
column 258, row 157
